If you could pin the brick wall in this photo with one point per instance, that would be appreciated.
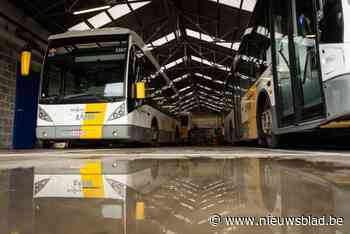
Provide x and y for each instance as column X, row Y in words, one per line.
column 8, row 59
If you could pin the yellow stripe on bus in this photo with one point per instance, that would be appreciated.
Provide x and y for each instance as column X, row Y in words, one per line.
column 250, row 125
column 91, row 176
column 93, row 121
column 337, row 124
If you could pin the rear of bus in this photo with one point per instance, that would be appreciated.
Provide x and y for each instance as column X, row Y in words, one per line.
column 84, row 86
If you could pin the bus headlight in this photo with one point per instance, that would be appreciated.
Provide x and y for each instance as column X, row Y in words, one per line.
column 43, row 115
column 118, row 113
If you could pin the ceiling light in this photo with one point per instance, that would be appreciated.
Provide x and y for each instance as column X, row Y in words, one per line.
column 92, row 10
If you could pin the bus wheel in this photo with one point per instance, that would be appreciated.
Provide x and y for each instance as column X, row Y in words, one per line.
column 155, row 133
column 267, row 138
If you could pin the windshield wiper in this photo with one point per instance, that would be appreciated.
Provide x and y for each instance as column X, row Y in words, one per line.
column 89, row 96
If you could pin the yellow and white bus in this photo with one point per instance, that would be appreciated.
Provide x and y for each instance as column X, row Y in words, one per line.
column 292, row 71
column 94, row 87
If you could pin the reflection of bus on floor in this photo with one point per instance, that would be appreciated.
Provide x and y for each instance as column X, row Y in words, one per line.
column 93, row 88
column 292, row 71
column 92, row 198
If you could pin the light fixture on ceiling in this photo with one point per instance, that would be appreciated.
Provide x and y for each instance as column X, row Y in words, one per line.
column 91, row 10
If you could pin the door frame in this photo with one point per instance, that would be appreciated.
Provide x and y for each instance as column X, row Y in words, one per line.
column 296, row 86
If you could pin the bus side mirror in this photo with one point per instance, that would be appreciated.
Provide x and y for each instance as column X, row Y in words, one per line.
column 26, row 58
column 140, row 90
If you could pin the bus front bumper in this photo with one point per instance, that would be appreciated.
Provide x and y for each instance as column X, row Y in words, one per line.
column 111, row 132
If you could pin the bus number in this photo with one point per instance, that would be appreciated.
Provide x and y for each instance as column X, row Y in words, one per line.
column 85, row 116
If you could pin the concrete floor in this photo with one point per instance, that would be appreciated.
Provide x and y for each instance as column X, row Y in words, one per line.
column 63, row 195
column 27, row 158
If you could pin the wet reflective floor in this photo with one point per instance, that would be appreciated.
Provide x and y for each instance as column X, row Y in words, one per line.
column 197, row 195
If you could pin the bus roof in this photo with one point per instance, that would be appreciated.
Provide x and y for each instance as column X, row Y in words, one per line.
column 99, row 32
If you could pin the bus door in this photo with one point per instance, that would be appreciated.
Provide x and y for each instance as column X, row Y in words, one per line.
column 299, row 93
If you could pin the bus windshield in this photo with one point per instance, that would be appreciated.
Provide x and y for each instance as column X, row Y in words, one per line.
column 83, row 70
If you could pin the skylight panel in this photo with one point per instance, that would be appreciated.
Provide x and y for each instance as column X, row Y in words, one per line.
column 166, row 87
column 181, row 78
column 119, row 11
column 213, row 104
column 210, row 106
column 203, row 76
column 208, row 38
column 163, row 40
column 99, row 20
column 79, row 27
column 170, row 36
column 188, row 101
column 122, row 9
column 204, row 61
column 205, row 87
column 199, row 35
column 158, row 98
column 211, row 101
column 184, row 89
column 211, row 96
column 160, row 41
column 189, row 94
column 138, row 5
column 168, row 107
column 192, row 33
column 209, row 89
column 248, row 5
column 235, row 46
column 172, row 64
column 188, row 106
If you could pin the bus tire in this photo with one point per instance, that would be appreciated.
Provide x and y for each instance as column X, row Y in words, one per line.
column 266, row 136
column 154, row 133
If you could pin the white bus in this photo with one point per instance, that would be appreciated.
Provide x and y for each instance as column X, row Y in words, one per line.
column 292, row 71
column 94, row 87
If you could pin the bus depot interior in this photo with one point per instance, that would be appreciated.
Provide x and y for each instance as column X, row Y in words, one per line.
column 172, row 72
column 174, row 116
